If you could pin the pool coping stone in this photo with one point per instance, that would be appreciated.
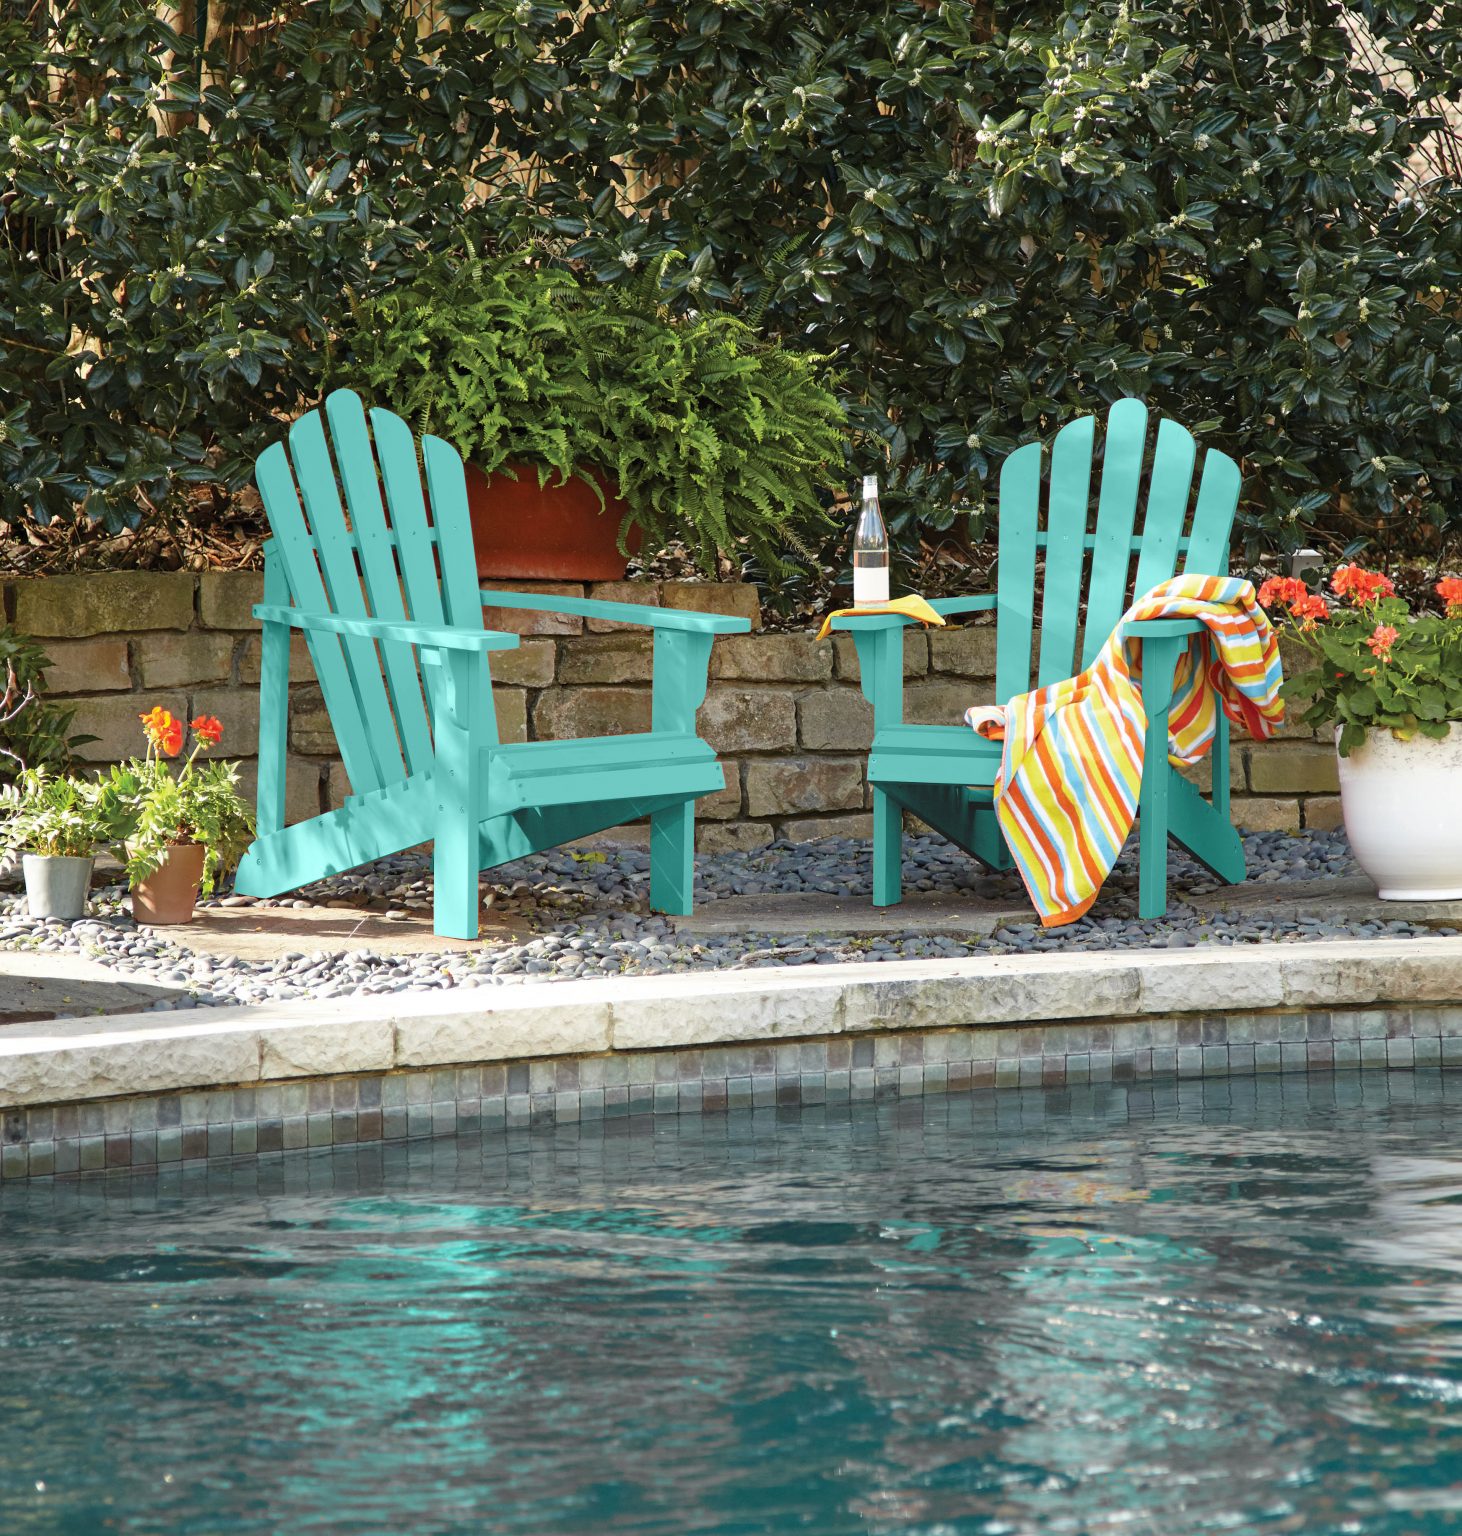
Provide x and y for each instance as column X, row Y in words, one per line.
column 76, row 1061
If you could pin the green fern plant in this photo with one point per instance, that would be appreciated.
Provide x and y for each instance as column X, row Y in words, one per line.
column 716, row 439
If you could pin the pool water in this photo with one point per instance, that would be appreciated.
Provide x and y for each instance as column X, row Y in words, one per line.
column 1230, row 1308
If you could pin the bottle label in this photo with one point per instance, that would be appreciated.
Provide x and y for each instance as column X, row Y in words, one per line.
column 870, row 585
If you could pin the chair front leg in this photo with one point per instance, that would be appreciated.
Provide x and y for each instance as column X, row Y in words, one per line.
column 273, row 702
column 462, row 694
column 1159, row 662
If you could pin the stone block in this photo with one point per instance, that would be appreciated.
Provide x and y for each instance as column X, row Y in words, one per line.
column 732, row 836
column 645, row 593
column 1256, row 815
column 301, row 668
column 301, row 787
column 916, row 654
column 622, row 658
column 735, row 598
column 104, row 603
column 1200, row 774
column 771, row 659
column 807, row 829
column 835, row 720
column 787, row 785
column 560, row 713
column 498, row 1028
column 723, row 804
column 226, row 599
column 113, row 718
column 534, row 621
column 748, row 720
column 337, row 785
column 530, row 666
column 238, row 710
column 168, row 659
column 1293, row 768
column 310, row 730
column 1322, row 812
column 941, row 701
column 966, row 652
column 511, row 705
column 87, row 666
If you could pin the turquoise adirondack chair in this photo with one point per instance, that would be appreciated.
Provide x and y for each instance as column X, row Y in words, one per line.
column 389, row 604
column 945, row 773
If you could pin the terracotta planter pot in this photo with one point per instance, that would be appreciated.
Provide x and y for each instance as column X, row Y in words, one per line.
column 169, row 894
column 548, row 533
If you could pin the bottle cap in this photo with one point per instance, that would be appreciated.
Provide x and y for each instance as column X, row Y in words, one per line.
column 870, row 487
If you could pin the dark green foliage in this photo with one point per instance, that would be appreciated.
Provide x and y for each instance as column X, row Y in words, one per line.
column 713, row 438
column 35, row 732
column 990, row 224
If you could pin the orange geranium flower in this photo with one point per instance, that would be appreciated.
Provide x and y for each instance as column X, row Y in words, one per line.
column 1282, row 589
column 1361, row 586
column 1382, row 638
column 159, row 725
column 1449, row 589
column 208, row 729
column 1309, row 610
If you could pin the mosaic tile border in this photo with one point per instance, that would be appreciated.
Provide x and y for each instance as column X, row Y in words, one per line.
column 156, row 1131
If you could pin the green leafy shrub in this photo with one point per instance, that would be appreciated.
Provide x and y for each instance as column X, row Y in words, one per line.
column 992, row 218
column 715, row 439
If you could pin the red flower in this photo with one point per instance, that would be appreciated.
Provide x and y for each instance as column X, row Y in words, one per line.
column 1382, row 638
column 170, row 739
column 1281, row 589
column 208, row 729
column 1360, row 586
column 1449, row 589
column 1309, row 610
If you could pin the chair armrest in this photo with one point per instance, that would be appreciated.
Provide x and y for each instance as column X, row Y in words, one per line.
column 943, row 606
column 432, row 637
column 1165, row 629
column 621, row 613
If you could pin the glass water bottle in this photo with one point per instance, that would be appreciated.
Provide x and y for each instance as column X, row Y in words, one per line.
column 870, row 551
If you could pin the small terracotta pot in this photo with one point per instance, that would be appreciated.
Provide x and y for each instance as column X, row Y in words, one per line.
column 170, row 892
column 546, row 533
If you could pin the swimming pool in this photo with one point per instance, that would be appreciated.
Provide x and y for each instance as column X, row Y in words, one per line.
column 1223, row 1306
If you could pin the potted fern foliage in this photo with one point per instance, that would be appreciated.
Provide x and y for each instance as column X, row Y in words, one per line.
column 594, row 418
column 55, row 822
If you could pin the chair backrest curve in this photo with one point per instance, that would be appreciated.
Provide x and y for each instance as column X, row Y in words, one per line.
column 383, row 549
column 1078, row 558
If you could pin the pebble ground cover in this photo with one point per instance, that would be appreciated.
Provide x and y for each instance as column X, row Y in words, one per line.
column 588, row 912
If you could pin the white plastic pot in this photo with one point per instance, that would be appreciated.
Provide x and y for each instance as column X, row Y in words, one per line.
column 56, row 886
column 1402, row 803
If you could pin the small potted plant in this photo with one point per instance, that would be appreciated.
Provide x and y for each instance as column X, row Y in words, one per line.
column 592, row 417
column 55, row 823
column 1389, row 683
column 182, row 829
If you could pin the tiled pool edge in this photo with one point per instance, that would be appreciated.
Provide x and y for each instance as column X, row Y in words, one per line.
column 158, row 1131
column 152, row 1090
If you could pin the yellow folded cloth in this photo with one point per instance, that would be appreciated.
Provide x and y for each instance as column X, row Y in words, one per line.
column 911, row 607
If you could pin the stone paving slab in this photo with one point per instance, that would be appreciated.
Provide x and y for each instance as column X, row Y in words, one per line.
column 266, row 933
column 976, row 913
column 73, row 1060
column 40, row 986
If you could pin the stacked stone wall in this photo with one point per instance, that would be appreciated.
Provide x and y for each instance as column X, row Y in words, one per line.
column 786, row 715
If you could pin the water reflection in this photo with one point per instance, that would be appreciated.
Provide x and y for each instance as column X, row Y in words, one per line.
column 1184, row 1308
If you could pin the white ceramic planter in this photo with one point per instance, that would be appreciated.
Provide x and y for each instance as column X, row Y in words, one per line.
column 1402, row 803
column 56, row 887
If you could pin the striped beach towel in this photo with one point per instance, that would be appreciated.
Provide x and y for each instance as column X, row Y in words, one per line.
column 1071, row 772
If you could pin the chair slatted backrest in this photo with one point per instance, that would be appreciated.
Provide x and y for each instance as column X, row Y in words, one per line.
column 1107, row 563
column 375, row 553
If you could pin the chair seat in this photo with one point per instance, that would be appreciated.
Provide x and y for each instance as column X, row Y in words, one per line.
column 542, row 773
column 933, row 754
